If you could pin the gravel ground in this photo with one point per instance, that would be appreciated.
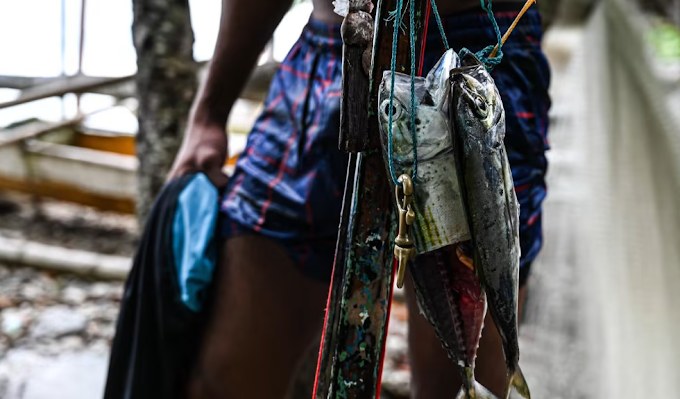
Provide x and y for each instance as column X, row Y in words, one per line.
column 52, row 326
column 56, row 332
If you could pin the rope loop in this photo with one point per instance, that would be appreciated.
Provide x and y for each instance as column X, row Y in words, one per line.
column 484, row 55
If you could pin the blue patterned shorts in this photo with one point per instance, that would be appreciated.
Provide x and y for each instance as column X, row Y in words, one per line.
column 288, row 184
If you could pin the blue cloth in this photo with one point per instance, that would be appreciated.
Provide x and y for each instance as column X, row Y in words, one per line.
column 289, row 181
column 193, row 239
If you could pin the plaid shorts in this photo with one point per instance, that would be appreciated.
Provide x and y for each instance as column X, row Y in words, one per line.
column 288, row 184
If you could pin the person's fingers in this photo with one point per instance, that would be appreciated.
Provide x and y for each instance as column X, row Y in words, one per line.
column 178, row 171
column 217, row 177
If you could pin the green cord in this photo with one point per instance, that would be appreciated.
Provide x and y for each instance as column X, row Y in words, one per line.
column 395, row 36
column 483, row 55
column 439, row 24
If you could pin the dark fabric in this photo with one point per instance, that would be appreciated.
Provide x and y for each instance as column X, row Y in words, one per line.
column 157, row 336
column 288, row 183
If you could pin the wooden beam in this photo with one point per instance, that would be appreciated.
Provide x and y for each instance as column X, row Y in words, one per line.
column 75, row 84
column 33, row 130
column 38, row 88
column 23, row 82
column 69, row 193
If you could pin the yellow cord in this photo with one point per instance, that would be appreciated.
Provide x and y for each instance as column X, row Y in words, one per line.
column 528, row 4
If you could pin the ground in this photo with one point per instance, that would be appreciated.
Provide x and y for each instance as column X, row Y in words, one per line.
column 55, row 334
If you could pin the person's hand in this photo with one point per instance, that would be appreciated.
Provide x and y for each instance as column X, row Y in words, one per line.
column 203, row 150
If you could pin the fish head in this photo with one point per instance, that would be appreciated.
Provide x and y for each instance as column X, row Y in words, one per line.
column 431, row 111
column 476, row 104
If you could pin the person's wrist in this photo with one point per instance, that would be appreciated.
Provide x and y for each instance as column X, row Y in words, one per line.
column 205, row 113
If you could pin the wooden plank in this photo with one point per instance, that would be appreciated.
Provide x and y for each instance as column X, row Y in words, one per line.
column 101, row 179
column 70, row 193
column 36, row 88
column 23, row 82
column 118, row 144
column 33, row 130
column 75, row 84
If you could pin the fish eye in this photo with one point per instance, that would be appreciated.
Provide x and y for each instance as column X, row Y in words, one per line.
column 481, row 107
column 396, row 110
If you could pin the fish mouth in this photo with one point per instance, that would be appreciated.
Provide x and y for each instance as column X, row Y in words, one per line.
column 470, row 90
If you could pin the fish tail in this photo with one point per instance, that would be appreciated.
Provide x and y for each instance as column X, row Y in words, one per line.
column 478, row 392
column 519, row 383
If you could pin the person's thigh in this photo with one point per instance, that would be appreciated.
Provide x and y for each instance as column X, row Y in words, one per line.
column 265, row 315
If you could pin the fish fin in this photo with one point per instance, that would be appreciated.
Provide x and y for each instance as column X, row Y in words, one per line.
column 480, row 393
column 512, row 206
column 476, row 261
column 519, row 383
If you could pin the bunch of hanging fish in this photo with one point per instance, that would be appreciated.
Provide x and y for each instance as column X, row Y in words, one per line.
column 459, row 218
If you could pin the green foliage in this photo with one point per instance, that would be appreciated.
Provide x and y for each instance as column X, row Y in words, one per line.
column 665, row 39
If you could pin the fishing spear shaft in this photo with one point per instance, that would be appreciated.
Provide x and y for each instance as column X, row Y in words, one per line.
column 353, row 343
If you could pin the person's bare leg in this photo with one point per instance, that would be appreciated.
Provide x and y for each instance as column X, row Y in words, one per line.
column 490, row 368
column 265, row 316
column 433, row 375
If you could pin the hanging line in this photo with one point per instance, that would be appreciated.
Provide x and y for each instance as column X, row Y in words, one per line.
column 487, row 55
column 397, row 16
column 439, row 24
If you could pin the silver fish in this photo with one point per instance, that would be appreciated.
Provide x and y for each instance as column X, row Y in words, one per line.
column 448, row 291
column 440, row 219
column 489, row 199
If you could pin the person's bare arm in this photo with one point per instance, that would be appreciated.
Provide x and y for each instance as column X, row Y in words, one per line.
column 245, row 28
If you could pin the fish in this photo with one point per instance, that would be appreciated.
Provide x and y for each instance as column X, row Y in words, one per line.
column 448, row 291
column 451, row 298
column 440, row 218
column 489, row 199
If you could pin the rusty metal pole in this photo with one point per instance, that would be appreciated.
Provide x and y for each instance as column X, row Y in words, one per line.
column 352, row 348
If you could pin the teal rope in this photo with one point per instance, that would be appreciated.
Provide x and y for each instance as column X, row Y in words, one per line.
column 484, row 53
column 412, row 37
column 393, row 66
column 439, row 24
column 412, row 41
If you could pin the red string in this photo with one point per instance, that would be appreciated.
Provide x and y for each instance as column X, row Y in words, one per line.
column 422, row 48
column 323, row 333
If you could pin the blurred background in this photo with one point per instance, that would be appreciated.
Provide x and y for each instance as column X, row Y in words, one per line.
column 603, row 313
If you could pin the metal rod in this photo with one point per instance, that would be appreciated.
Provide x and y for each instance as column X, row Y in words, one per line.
column 333, row 306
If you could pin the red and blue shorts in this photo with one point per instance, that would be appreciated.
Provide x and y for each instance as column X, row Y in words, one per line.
column 288, row 184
